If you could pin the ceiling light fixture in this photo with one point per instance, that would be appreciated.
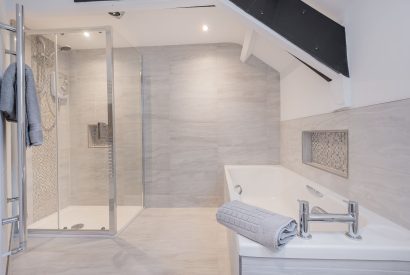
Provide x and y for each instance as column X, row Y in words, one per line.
column 205, row 28
column 86, row 34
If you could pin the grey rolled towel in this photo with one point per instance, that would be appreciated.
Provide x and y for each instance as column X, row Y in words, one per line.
column 262, row 226
column 8, row 102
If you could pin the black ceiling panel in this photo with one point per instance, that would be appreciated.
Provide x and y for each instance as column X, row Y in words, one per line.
column 305, row 27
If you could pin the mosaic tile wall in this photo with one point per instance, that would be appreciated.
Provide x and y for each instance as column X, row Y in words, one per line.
column 329, row 149
column 44, row 161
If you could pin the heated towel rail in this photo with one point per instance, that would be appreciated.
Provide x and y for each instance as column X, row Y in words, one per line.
column 18, row 219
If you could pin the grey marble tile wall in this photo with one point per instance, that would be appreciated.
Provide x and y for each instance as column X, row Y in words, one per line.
column 88, row 105
column 203, row 108
column 379, row 156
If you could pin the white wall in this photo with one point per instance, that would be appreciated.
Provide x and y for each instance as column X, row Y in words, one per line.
column 379, row 50
column 266, row 49
column 304, row 93
column 4, row 235
column 379, row 56
column 2, row 10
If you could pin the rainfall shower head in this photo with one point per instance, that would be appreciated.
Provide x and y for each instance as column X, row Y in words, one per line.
column 65, row 48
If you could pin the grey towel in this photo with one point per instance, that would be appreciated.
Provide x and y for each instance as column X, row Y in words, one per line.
column 8, row 101
column 262, row 226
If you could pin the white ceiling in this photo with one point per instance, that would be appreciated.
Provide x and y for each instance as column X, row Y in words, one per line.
column 335, row 9
column 160, row 22
column 146, row 25
column 69, row 7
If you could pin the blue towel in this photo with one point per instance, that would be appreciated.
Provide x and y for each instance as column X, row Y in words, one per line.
column 8, row 102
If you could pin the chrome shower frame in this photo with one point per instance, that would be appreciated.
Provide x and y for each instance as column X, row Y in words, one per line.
column 112, row 202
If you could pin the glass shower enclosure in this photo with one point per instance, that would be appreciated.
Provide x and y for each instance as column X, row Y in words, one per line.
column 87, row 177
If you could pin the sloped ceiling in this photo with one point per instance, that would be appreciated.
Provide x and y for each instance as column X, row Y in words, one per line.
column 159, row 22
column 335, row 9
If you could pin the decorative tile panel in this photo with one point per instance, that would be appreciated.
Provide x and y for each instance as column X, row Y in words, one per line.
column 327, row 150
column 45, row 190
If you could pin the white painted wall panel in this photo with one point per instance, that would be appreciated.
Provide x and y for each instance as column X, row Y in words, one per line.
column 304, row 93
column 379, row 56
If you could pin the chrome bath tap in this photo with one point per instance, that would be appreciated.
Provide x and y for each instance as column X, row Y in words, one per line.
column 352, row 218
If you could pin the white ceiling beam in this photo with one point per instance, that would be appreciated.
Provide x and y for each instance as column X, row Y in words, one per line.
column 248, row 44
column 291, row 66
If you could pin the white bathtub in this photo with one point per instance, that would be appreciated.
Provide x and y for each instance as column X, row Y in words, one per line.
column 384, row 248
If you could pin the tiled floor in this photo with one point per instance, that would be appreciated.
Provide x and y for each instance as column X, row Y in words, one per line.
column 91, row 216
column 169, row 241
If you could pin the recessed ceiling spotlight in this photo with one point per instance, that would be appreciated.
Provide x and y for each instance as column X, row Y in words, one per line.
column 86, row 34
column 205, row 28
column 117, row 14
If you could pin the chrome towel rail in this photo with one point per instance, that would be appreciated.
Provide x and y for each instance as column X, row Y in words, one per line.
column 7, row 27
column 18, row 221
column 10, row 220
column 10, row 52
column 21, row 125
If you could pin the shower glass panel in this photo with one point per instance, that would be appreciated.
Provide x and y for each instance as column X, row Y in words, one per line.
column 43, row 161
column 128, row 131
column 71, row 172
column 87, row 178
column 84, row 149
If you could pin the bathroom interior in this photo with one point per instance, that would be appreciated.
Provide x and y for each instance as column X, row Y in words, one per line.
column 205, row 137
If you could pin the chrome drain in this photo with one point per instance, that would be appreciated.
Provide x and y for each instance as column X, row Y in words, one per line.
column 77, row 226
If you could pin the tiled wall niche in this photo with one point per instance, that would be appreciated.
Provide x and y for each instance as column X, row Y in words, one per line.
column 379, row 156
column 327, row 150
